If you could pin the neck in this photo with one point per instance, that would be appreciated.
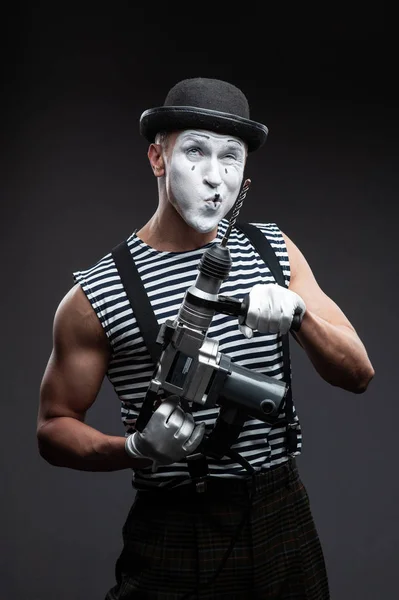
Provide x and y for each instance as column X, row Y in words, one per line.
column 166, row 231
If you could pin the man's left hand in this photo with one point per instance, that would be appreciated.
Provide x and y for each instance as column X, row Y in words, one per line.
column 271, row 309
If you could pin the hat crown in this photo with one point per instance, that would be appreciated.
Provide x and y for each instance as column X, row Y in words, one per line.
column 210, row 94
column 204, row 103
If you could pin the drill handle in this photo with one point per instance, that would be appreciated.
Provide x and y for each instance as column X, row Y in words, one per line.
column 238, row 308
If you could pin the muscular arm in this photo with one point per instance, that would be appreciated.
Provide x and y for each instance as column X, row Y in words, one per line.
column 70, row 384
column 326, row 335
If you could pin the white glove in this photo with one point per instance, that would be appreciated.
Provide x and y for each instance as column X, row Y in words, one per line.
column 169, row 436
column 271, row 309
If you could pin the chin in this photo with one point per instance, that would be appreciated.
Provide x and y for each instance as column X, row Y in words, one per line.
column 204, row 227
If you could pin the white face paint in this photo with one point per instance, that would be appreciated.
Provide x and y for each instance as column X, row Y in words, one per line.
column 204, row 175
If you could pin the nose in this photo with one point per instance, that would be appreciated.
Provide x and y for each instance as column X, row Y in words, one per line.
column 212, row 176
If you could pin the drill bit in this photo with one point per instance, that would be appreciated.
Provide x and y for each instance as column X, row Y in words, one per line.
column 236, row 209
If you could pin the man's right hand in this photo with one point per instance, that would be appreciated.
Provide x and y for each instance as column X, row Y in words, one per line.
column 169, row 436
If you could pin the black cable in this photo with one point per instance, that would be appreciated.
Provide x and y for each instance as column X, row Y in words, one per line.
column 228, row 551
column 197, row 558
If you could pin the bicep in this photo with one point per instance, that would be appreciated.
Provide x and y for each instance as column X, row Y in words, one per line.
column 78, row 362
column 304, row 283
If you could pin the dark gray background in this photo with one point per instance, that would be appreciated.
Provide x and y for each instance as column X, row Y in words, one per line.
column 75, row 181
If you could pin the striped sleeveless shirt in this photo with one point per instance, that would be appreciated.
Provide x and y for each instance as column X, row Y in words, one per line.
column 166, row 277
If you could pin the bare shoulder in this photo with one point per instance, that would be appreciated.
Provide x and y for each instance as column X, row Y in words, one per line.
column 304, row 283
column 296, row 257
column 78, row 361
column 76, row 322
column 299, row 267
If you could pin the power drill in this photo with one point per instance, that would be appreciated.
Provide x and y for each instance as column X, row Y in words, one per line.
column 191, row 366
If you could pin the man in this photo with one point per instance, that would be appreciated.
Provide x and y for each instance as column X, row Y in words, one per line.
column 244, row 536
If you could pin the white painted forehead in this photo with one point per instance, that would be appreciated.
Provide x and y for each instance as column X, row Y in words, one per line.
column 210, row 135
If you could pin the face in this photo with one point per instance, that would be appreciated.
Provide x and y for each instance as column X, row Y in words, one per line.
column 203, row 176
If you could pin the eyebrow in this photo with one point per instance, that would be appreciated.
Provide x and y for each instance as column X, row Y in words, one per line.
column 236, row 142
column 188, row 135
column 207, row 137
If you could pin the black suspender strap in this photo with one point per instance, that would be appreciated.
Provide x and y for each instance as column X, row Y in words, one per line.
column 266, row 252
column 138, row 298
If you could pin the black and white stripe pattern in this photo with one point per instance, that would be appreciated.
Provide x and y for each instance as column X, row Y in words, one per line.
column 166, row 276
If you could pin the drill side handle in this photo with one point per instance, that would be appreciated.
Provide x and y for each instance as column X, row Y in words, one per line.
column 239, row 308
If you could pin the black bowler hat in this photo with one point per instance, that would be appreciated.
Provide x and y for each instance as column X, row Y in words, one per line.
column 202, row 103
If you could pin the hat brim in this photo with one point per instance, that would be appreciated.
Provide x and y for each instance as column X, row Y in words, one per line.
column 175, row 118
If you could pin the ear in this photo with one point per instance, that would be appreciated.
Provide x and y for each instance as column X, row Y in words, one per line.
column 156, row 159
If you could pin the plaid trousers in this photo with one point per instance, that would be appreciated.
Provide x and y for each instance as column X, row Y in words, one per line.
column 240, row 539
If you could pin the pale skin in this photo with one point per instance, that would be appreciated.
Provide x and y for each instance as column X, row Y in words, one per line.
column 80, row 355
column 219, row 154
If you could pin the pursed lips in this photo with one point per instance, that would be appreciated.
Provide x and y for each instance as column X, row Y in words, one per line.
column 215, row 198
column 212, row 204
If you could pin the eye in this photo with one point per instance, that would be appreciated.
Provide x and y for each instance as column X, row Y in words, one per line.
column 230, row 157
column 194, row 151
